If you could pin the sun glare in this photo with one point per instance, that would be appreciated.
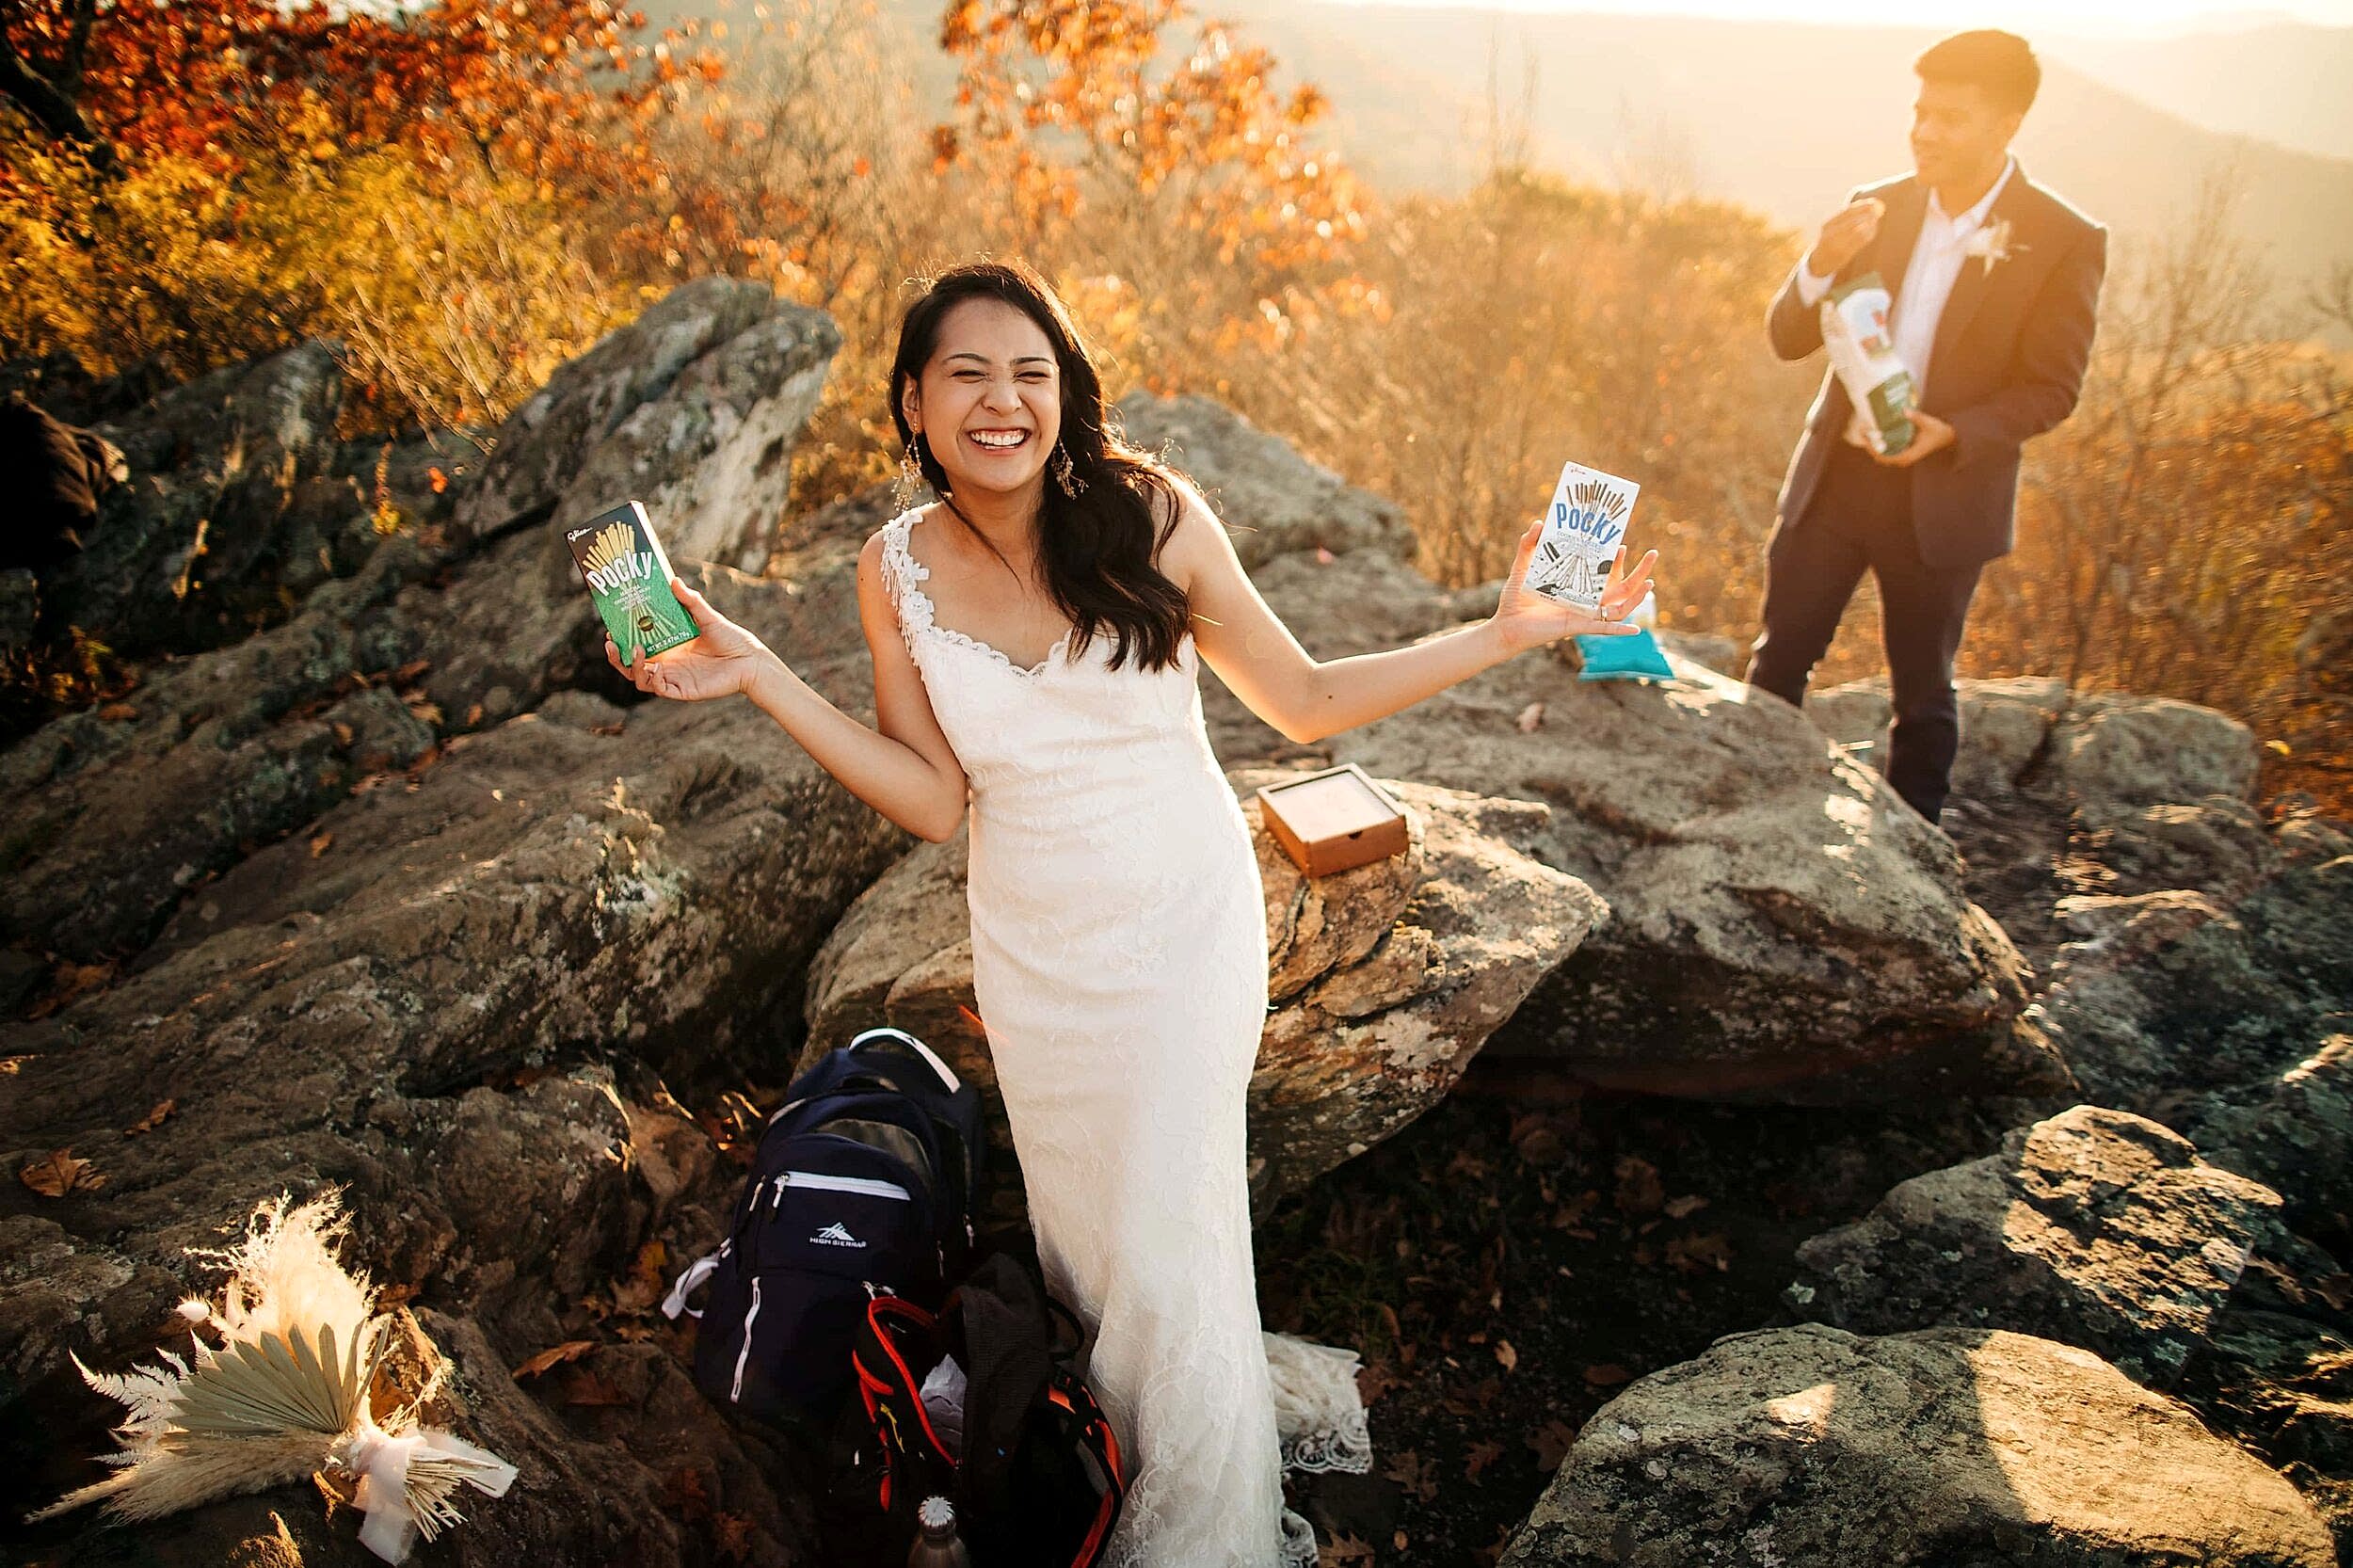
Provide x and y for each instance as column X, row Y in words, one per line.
column 2092, row 17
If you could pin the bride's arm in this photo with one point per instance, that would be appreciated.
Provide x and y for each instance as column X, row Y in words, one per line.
column 1306, row 699
column 907, row 771
column 905, row 768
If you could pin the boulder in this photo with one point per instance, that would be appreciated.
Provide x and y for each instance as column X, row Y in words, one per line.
column 2292, row 1132
column 111, row 815
column 2029, row 735
column 1781, row 927
column 2060, row 796
column 2173, row 996
column 1813, row 1447
column 232, row 511
column 1384, row 979
column 2094, row 1227
column 454, row 997
column 1273, row 500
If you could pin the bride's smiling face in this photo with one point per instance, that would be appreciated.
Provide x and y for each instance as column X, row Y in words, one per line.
column 990, row 401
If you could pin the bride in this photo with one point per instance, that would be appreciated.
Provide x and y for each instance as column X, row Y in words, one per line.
column 1036, row 636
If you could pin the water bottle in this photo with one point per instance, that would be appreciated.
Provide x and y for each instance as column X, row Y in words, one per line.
column 937, row 1545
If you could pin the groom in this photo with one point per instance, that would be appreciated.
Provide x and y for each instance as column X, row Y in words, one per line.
column 1996, row 283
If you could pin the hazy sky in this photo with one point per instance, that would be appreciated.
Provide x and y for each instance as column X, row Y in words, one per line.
column 2041, row 16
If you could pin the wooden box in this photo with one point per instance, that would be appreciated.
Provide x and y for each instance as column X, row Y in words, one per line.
column 1330, row 821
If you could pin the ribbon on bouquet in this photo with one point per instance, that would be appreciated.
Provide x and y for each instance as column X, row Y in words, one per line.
column 407, row 1478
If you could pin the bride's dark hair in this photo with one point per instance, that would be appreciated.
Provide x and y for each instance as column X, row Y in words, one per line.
column 1097, row 547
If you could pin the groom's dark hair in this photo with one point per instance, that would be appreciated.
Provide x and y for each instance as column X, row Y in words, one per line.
column 1098, row 546
column 2002, row 65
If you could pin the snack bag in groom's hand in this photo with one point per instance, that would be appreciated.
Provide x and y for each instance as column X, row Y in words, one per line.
column 629, row 577
column 1863, row 356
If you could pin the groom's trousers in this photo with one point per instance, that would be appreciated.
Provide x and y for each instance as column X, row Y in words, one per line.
column 1861, row 517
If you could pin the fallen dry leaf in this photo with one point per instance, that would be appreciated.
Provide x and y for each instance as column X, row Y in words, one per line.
column 1375, row 1379
column 555, row 1355
column 1531, row 718
column 688, row 1493
column 407, row 673
column 646, row 1282
column 605, row 728
column 1609, row 1374
column 1481, row 1456
column 1688, row 1255
column 58, row 1171
column 1505, row 1355
column 735, row 1536
column 1419, row 1480
column 1638, row 1192
column 1343, row 1551
column 1690, row 1202
column 69, row 982
column 473, row 715
column 343, row 733
column 321, row 844
column 152, row 1120
column 427, row 713
column 115, row 712
column 1551, row 1442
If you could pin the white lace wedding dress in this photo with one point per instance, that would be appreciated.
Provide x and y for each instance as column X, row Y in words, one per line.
column 1119, row 961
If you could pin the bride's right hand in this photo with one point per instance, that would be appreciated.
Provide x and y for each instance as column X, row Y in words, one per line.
column 721, row 660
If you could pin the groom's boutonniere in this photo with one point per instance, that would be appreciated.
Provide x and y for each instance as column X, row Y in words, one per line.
column 1989, row 243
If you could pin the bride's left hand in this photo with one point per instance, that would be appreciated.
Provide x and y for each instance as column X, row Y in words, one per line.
column 1526, row 618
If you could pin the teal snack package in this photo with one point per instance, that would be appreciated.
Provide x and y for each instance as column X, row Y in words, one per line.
column 1626, row 658
column 1635, row 658
column 629, row 577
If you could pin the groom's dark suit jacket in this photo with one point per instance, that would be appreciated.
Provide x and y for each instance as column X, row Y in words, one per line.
column 2008, row 361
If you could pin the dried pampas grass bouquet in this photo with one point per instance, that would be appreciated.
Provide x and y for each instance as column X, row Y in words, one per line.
column 284, row 1394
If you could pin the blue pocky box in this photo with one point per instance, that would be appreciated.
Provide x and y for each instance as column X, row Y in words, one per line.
column 629, row 577
column 1583, row 528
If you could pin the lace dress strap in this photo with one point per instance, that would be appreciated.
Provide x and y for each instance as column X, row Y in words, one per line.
column 902, row 578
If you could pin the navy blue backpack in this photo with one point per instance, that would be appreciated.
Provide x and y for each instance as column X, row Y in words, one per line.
column 864, row 1184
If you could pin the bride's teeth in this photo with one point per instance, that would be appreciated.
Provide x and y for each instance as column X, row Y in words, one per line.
column 1001, row 443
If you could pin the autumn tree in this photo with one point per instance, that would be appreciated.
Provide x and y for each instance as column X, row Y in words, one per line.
column 1097, row 135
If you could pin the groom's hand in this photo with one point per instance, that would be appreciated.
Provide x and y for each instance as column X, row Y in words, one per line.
column 1844, row 236
column 1929, row 435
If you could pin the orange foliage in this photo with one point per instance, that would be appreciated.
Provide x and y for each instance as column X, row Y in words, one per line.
column 530, row 84
column 1209, row 145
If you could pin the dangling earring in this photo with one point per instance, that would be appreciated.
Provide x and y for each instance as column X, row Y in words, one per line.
column 910, row 476
column 1066, row 471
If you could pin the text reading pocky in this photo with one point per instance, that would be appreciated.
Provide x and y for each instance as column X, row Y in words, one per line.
column 629, row 578
column 1584, row 527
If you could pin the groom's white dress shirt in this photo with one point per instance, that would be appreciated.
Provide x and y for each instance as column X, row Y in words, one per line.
column 1927, row 283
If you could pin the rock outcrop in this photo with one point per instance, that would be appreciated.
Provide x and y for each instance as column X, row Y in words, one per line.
column 1813, row 1447
column 111, row 815
column 1781, row 926
column 2095, row 1228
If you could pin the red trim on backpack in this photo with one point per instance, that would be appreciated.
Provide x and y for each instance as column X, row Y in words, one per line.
column 914, row 1388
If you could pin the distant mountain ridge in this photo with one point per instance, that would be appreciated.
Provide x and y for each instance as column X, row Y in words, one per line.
column 2288, row 83
column 1783, row 117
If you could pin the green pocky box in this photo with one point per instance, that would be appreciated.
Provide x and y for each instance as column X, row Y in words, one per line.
column 629, row 577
